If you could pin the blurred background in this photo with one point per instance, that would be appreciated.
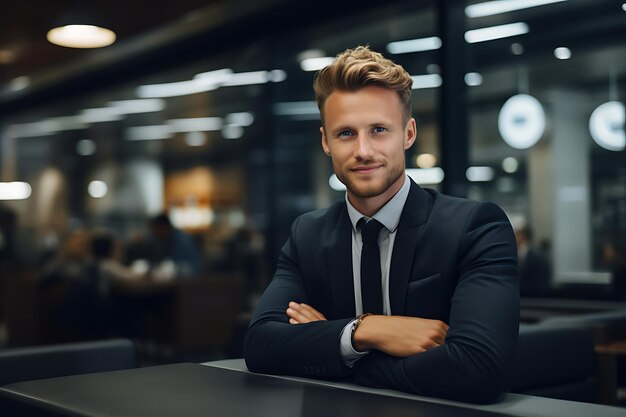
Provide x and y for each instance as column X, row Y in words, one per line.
column 147, row 186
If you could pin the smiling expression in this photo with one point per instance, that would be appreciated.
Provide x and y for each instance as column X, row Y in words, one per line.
column 365, row 136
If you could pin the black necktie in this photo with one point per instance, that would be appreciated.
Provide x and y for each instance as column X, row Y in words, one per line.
column 371, row 281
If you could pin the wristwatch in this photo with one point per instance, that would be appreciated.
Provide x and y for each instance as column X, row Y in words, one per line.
column 355, row 325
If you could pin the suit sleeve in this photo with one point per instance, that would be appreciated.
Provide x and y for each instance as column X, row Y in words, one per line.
column 475, row 363
column 273, row 345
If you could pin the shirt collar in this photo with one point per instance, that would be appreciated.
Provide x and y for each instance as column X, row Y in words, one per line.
column 389, row 214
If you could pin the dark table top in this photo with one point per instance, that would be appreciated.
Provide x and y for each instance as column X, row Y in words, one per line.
column 226, row 388
column 196, row 390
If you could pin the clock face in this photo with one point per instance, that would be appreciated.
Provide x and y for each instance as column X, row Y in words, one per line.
column 606, row 126
column 521, row 121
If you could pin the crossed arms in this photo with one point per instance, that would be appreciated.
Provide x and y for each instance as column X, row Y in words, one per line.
column 468, row 361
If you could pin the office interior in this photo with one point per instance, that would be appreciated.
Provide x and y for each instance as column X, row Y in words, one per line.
column 204, row 111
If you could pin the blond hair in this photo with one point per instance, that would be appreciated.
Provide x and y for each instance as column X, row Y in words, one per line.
column 361, row 67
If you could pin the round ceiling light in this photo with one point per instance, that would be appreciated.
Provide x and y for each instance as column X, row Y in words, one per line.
column 81, row 36
column 521, row 121
column 606, row 126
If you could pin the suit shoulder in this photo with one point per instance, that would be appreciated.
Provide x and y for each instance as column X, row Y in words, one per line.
column 326, row 217
column 446, row 205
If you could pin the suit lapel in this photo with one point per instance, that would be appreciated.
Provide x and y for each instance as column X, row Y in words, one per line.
column 414, row 215
column 339, row 255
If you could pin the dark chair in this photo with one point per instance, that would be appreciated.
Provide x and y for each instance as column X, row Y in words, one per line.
column 23, row 364
column 556, row 362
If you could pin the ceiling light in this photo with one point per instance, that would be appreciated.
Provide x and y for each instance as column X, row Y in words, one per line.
column 473, row 79
column 15, row 190
column 521, row 121
column 490, row 8
column 316, row 64
column 517, row 48
column 101, row 114
column 496, row 32
column 624, row 7
column 426, row 176
column 97, row 189
column 239, row 119
column 510, row 165
column 196, row 124
column 232, row 132
column 479, row 174
column 414, row 45
column 562, row 53
column 426, row 81
column 147, row 105
column 81, row 36
column 155, row 132
column 195, row 138
column 606, row 126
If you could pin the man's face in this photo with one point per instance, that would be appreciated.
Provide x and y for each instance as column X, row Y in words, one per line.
column 365, row 137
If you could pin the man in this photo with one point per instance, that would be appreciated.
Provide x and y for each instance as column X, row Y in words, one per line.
column 444, row 315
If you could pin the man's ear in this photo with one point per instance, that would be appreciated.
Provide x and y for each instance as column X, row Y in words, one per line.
column 324, row 142
column 410, row 133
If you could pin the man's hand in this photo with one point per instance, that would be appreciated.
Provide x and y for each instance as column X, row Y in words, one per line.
column 399, row 336
column 300, row 313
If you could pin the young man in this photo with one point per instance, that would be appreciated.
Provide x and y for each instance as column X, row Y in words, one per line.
column 397, row 287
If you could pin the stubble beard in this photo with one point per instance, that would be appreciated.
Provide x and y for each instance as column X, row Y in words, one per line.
column 373, row 189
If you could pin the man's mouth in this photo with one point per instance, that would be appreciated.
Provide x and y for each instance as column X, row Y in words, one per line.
column 366, row 169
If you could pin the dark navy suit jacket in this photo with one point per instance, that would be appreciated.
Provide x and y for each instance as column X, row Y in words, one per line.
column 453, row 260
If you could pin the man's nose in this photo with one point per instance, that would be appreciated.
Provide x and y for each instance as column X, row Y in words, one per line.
column 362, row 147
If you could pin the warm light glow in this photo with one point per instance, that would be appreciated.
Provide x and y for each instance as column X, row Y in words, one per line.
column 97, row 189
column 414, row 45
column 562, row 53
column 81, row 36
column 426, row 160
column 15, row 190
column 496, row 32
column 479, row 174
column 490, row 8
column 606, row 126
column 521, row 121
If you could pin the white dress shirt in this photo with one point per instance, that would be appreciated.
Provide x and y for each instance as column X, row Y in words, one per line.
column 389, row 217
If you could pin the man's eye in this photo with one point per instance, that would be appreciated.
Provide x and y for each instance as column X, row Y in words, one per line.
column 344, row 133
column 379, row 129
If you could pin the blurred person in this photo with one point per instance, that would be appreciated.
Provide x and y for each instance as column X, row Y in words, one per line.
column 176, row 246
column 107, row 253
column 73, row 260
column 398, row 287
column 534, row 266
